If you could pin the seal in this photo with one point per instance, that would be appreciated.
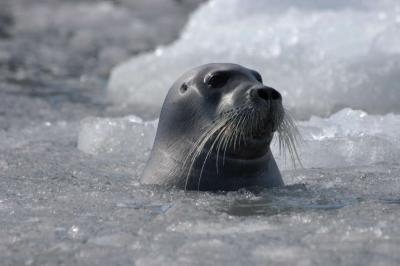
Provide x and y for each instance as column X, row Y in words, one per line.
column 215, row 130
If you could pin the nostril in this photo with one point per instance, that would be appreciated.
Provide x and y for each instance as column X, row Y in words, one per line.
column 269, row 94
column 275, row 95
column 263, row 94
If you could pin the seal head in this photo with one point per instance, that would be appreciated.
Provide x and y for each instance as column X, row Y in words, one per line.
column 215, row 130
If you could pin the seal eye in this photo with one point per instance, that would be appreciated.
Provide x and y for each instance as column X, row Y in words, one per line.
column 183, row 88
column 217, row 80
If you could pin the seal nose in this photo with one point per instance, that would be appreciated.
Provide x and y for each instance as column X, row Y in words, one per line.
column 267, row 94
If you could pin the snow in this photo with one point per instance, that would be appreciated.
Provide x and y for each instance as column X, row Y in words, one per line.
column 70, row 160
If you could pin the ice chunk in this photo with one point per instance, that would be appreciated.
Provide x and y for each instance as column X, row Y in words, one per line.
column 44, row 132
column 355, row 123
column 321, row 56
column 347, row 138
column 128, row 135
column 388, row 42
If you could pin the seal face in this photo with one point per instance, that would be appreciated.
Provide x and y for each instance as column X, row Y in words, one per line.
column 215, row 130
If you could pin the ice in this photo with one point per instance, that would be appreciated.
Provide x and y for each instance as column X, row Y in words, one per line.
column 115, row 136
column 321, row 56
column 70, row 161
column 347, row 138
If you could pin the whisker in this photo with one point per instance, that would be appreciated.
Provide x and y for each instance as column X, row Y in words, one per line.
column 233, row 128
column 289, row 139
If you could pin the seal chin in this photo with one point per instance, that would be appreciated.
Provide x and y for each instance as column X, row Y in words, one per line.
column 260, row 138
column 262, row 134
column 254, row 131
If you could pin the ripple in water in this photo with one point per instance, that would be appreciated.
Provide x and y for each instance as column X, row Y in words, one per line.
column 287, row 200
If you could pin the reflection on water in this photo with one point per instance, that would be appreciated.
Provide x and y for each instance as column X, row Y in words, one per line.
column 294, row 199
column 286, row 200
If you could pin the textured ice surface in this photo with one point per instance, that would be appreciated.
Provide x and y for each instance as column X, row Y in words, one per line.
column 322, row 55
column 70, row 162
column 347, row 138
column 129, row 135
